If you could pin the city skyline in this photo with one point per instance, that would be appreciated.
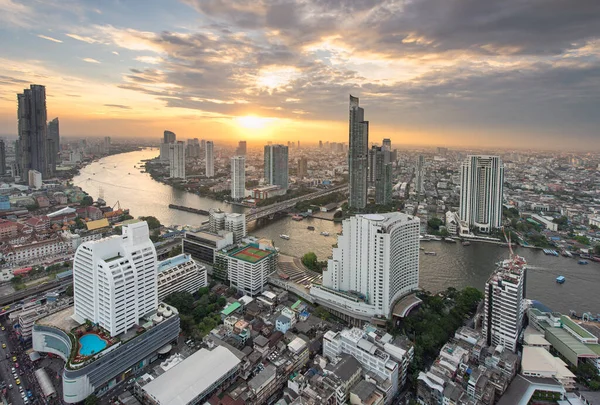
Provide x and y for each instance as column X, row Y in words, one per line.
column 268, row 72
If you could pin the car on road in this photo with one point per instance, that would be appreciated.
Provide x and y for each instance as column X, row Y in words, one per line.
column 14, row 359
column 18, row 381
column 10, row 386
column 3, row 328
column 4, row 345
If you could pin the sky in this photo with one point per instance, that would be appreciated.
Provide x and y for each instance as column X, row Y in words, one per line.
column 493, row 73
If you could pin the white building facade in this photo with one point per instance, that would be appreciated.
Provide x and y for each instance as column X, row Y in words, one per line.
column 177, row 160
column 481, row 192
column 115, row 279
column 236, row 224
column 210, row 159
column 35, row 179
column 238, row 177
column 180, row 274
column 376, row 262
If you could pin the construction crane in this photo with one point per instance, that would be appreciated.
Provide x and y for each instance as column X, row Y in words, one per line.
column 117, row 204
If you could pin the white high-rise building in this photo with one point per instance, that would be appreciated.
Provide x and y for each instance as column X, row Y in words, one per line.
column 505, row 304
column 216, row 220
column 236, row 223
column 35, row 179
column 481, row 190
column 376, row 262
column 210, row 159
column 238, row 177
column 177, row 160
column 115, row 279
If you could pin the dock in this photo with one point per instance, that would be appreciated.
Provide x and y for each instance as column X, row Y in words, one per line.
column 188, row 209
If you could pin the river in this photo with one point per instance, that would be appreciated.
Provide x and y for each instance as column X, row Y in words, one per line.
column 454, row 265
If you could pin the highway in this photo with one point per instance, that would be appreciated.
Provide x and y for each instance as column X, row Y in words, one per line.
column 19, row 295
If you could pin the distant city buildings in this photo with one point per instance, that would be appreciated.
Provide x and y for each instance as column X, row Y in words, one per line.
column 481, row 192
column 53, row 146
column 238, row 177
column 177, row 160
column 168, row 139
column 419, row 174
column 193, row 148
column 2, row 158
column 276, row 165
column 241, row 149
column 35, row 179
column 32, row 145
column 376, row 261
column 382, row 175
column 358, row 155
column 302, row 167
column 210, row 159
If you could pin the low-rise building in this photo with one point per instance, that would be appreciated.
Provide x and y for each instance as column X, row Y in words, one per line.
column 538, row 362
column 178, row 274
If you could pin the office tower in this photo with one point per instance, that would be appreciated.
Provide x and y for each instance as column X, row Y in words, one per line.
column 302, row 167
column 298, row 144
column 442, row 151
column 375, row 263
column 2, row 158
column 387, row 144
column 382, row 175
column 35, row 179
column 114, row 279
column 505, row 303
column 216, row 220
column 177, row 160
column 371, row 165
column 238, row 177
column 276, row 165
column 357, row 155
column 241, row 149
column 210, row 159
column 236, row 224
column 107, row 143
column 481, row 188
column 419, row 174
column 320, row 144
column 33, row 131
column 169, row 137
column 53, row 146
column 193, row 148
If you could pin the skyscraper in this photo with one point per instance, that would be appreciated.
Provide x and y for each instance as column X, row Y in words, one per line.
column 2, row 158
column 375, row 263
column 276, row 165
column 238, row 177
column 210, row 159
column 33, row 130
column 419, row 174
column 107, row 143
column 320, row 144
column 358, row 155
column 236, row 224
column 177, row 160
column 382, row 176
column 387, row 144
column 169, row 137
column 241, row 149
column 481, row 191
column 115, row 279
column 53, row 145
column 302, row 167
column 505, row 304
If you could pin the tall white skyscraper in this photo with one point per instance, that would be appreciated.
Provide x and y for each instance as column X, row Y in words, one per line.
column 177, row 160
column 358, row 155
column 481, row 191
column 375, row 263
column 238, row 177
column 505, row 304
column 210, row 159
column 115, row 279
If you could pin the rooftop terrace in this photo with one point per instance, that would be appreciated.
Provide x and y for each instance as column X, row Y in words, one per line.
column 250, row 254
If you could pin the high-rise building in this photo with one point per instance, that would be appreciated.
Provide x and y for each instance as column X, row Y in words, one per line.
column 419, row 174
column 375, row 263
column 276, row 165
column 241, row 149
column 33, row 130
column 216, row 220
column 236, row 224
column 210, row 159
column 107, row 143
column 238, row 177
column 358, row 155
column 169, row 137
column 382, row 176
column 505, row 304
column 387, row 144
column 2, row 158
column 180, row 273
column 302, row 167
column 193, row 148
column 320, row 144
column 35, row 179
column 115, row 279
column 53, row 146
column 481, row 192
column 177, row 160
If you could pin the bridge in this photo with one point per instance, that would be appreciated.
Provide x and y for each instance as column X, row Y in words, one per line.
column 284, row 205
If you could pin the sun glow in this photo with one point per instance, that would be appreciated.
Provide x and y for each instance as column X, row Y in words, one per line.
column 253, row 122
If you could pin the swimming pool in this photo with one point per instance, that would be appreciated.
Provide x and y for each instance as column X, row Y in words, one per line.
column 91, row 344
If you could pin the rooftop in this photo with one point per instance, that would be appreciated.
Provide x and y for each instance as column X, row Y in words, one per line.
column 582, row 350
column 174, row 261
column 250, row 254
column 568, row 322
column 229, row 309
column 183, row 383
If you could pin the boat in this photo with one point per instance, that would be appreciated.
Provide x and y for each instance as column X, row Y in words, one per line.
column 286, row 237
column 435, row 238
column 560, row 279
column 585, row 256
column 566, row 253
column 325, row 233
column 430, row 253
column 449, row 240
column 551, row 252
column 582, row 262
column 297, row 217
column 421, row 248
column 466, row 243
column 310, row 228
column 595, row 258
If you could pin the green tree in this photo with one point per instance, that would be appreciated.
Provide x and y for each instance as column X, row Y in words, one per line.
column 16, row 280
column 222, row 301
column 86, row 201
column 597, row 250
column 153, row 223
column 310, row 260
column 203, row 291
column 183, row 301
column 69, row 290
column 91, row 400
column 434, row 223
column 444, row 233
column 582, row 239
column 117, row 230
column 175, row 251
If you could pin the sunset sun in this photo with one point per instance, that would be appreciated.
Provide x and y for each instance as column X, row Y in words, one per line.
column 253, row 122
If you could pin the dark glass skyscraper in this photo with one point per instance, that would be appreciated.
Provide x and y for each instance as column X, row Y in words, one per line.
column 53, row 145
column 276, row 165
column 33, row 136
column 2, row 158
column 358, row 155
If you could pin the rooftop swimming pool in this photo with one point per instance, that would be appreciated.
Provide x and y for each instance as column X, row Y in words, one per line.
column 91, row 344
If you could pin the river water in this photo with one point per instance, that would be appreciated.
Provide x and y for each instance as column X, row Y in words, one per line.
column 454, row 265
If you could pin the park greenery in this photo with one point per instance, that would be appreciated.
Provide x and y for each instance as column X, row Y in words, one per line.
column 320, row 201
column 154, row 226
column 587, row 374
column 435, row 322
column 371, row 208
column 199, row 313
column 311, row 262
column 292, row 193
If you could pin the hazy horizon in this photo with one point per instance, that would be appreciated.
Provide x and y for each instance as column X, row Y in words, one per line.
column 460, row 73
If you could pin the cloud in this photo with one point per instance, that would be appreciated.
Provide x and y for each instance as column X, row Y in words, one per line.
column 50, row 38
column 15, row 14
column 121, row 106
column 152, row 60
column 81, row 38
column 90, row 60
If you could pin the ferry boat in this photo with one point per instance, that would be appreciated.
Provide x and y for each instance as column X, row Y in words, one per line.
column 449, row 240
column 430, row 253
column 286, row 237
column 582, row 262
column 560, row 279
column 297, row 217
column 595, row 258
column 424, row 238
column 310, row 228
column 566, row 253
column 325, row 233
column 551, row 252
column 466, row 243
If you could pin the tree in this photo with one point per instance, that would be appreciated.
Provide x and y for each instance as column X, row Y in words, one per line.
column 153, row 223
column 597, row 250
column 310, row 260
column 203, row 291
column 86, row 201
column 183, row 301
column 582, row 239
column 222, row 301
column 434, row 223
column 91, row 400
column 175, row 251
column 444, row 233
column 16, row 280
column 69, row 290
